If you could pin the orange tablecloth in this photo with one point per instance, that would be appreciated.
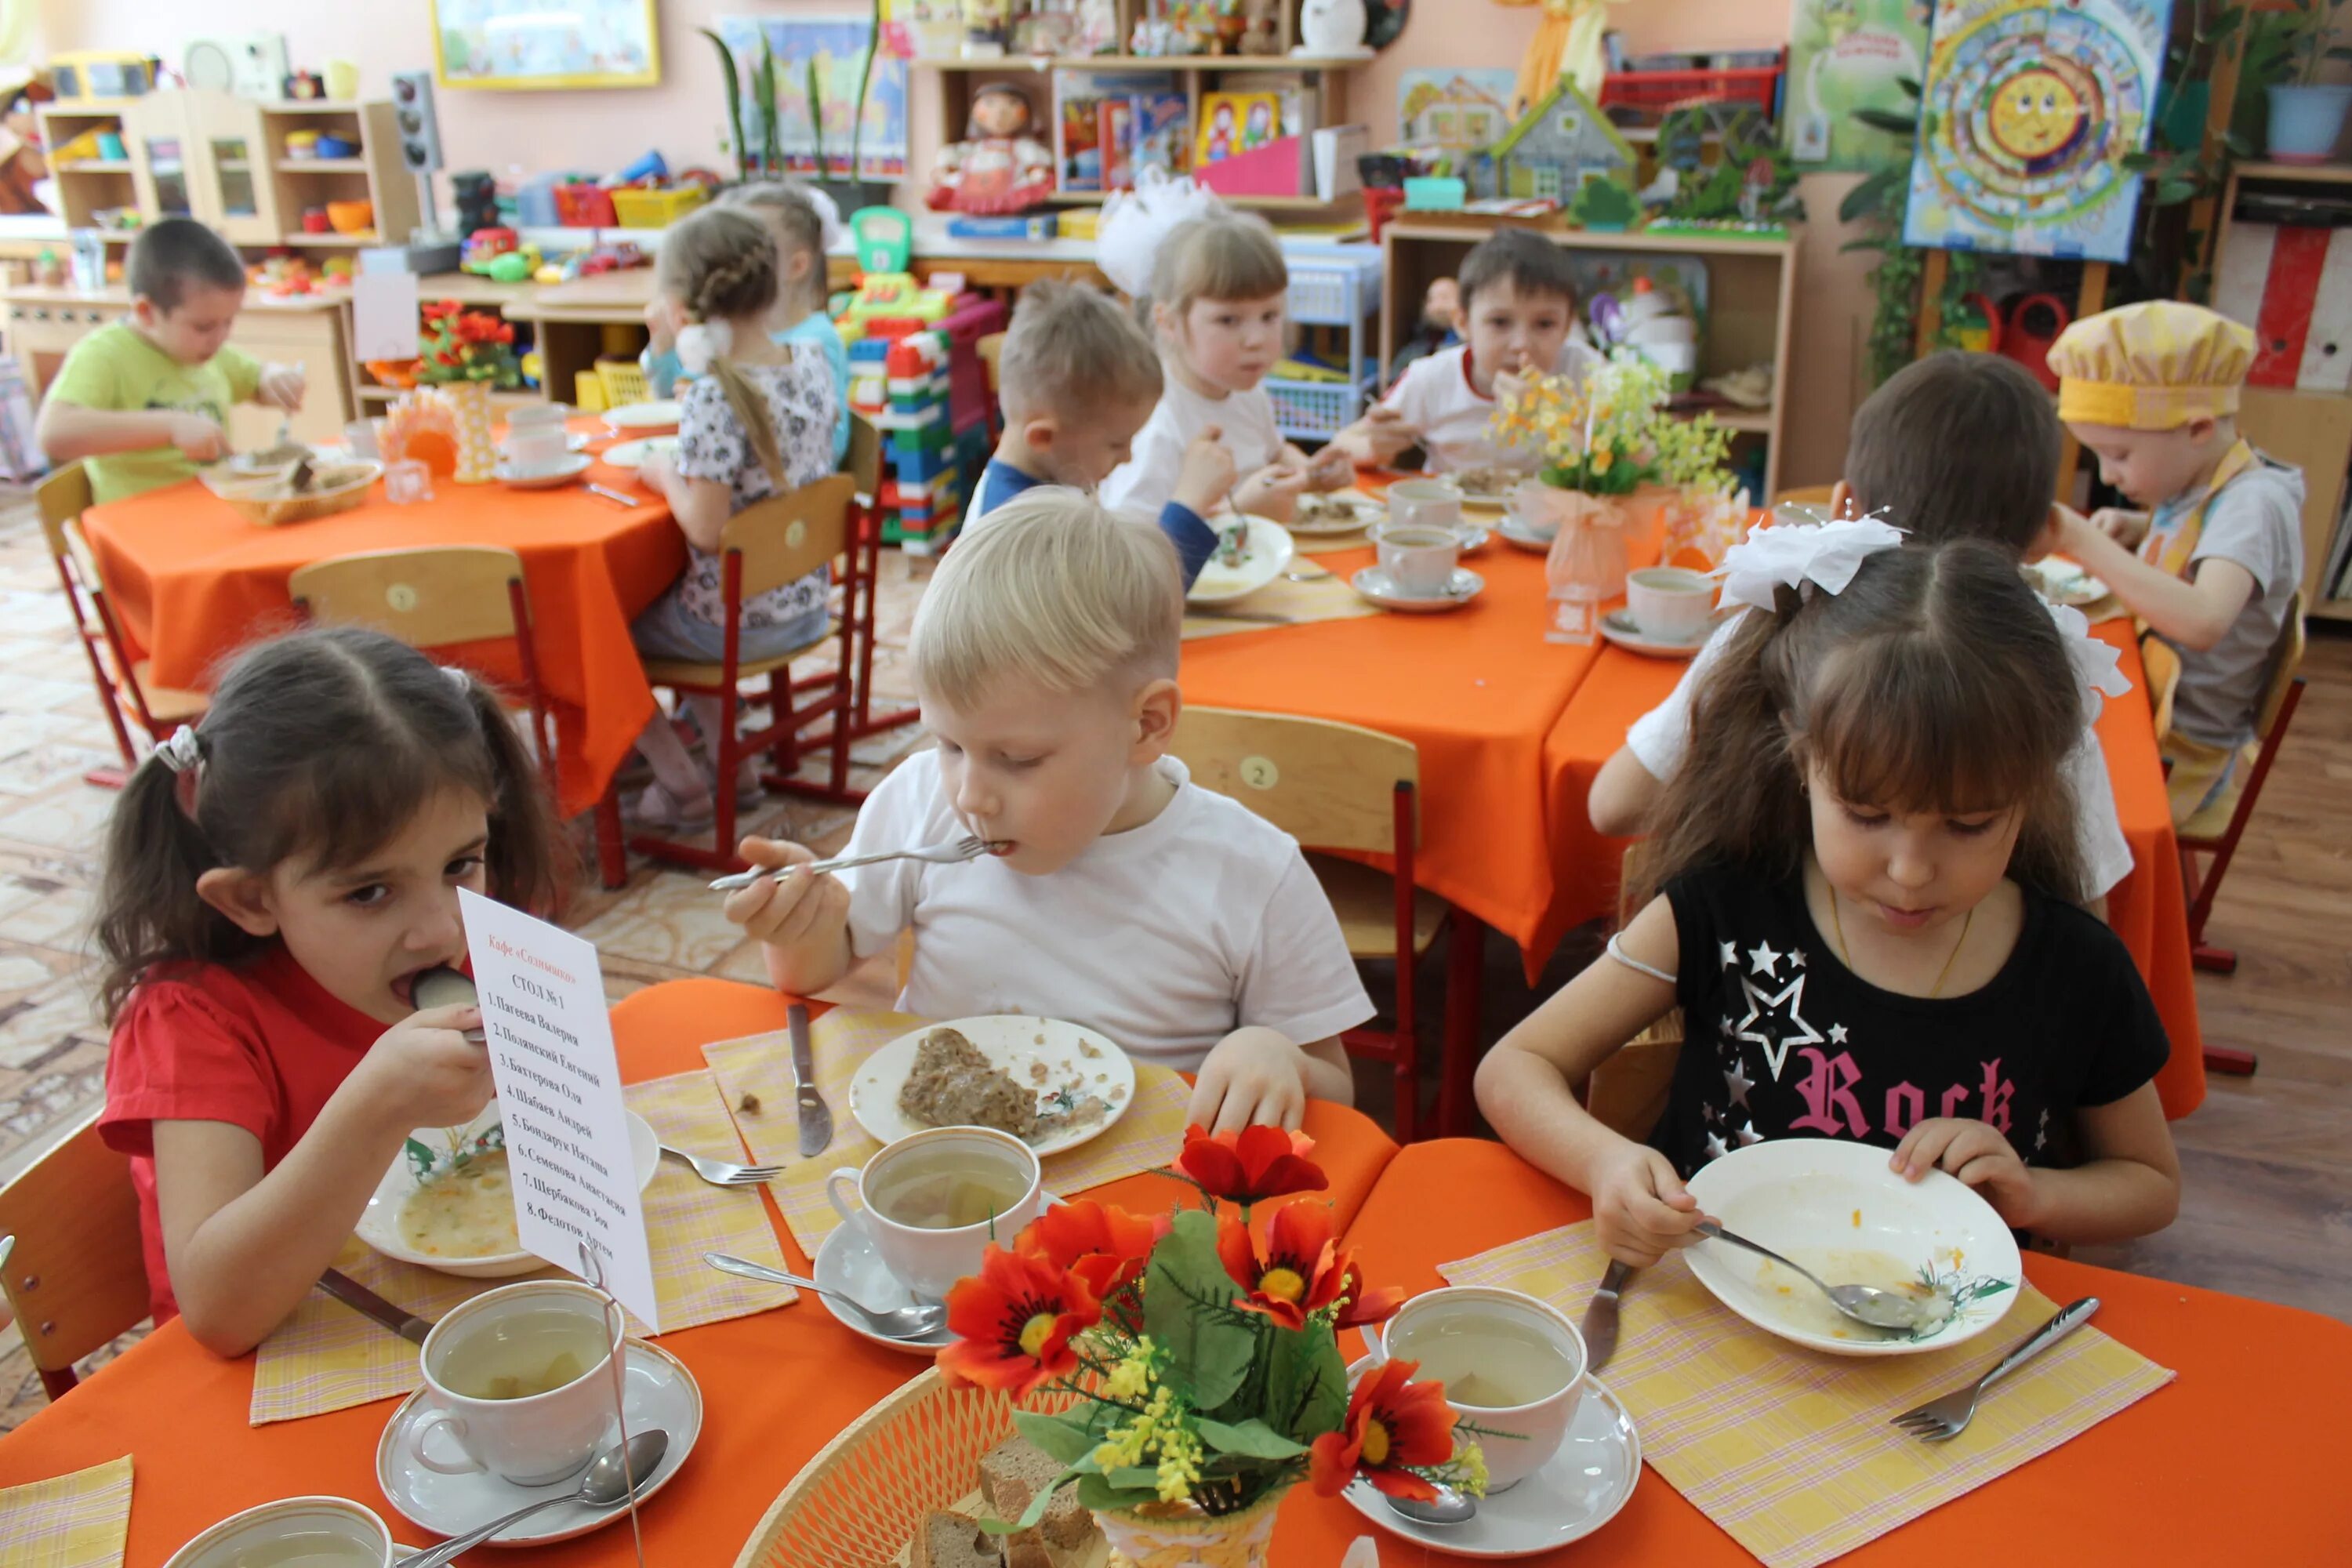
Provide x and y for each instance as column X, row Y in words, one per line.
column 2148, row 909
column 776, row 1387
column 2226, row 1464
column 193, row 582
column 1476, row 690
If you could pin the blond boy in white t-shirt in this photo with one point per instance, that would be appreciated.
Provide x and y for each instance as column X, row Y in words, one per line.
column 1119, row 895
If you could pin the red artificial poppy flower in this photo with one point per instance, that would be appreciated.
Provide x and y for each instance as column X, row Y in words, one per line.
column 1364, row 1307
column 1104, row 1248
column 1295, row 1271
column 1251, row 1165
column 1013, row 1322
column 1393, row 1425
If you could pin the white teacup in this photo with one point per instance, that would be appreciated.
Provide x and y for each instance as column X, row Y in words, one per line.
column 1433, row 503
column 326, row 1531
column 1468, row 1335
column 1419, row 557
column 929, row 1258
column 536, row 1439
column 1671, row 604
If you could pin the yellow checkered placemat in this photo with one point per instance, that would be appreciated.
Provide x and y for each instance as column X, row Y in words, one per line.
column 328, row 1357
column 760, row 1067
column 1792, row 1451
column 79, row 1520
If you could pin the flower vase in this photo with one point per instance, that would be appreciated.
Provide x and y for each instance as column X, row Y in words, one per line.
column 1586, row 567
column 1181, row 1536
column 478, row 456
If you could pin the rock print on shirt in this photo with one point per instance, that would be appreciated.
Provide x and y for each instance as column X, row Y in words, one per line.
column 1829, row 1081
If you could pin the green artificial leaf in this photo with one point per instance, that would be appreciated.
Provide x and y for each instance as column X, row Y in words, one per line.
column 1252, row 1438
column 1096, row 1492
column 1064, row 1437
column 1133, row 1477
column 1892, row 123
column 1188, row 1311
column 1038, row 1504
column 734, row 101
column 1870, row 197
column 1307, row 1382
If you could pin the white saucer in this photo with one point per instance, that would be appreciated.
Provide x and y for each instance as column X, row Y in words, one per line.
column 571, row 468
column 660, row 1393
column 1519, row 534
column 632, row 454
column 1375, row 585
column 1474, row 537
column 1618, row 626
column 846, row 1261
column 573, row 441
column 649, row 418
column 1579, row 1491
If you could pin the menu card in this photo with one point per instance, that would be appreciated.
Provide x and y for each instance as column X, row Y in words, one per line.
column 567, row 1135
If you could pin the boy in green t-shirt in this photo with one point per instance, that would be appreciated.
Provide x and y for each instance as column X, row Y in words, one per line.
column 146, row 398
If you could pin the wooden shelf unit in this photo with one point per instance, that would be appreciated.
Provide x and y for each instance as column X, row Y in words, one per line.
column 1751, row 302
column 2313, row 429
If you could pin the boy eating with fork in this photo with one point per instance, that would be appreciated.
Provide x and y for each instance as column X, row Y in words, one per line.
column 1119, row 895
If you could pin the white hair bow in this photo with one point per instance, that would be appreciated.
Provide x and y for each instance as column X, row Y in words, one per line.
column 2097, row 662
column 1136, row 223
column 702, row 343
column 1802, row 555
column 181, row 750
column 828, row 217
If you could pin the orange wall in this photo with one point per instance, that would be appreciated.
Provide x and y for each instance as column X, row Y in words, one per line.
column 684, row 116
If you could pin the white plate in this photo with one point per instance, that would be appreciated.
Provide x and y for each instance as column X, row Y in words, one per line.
column 1015, row 1044
column 2062, row 582
column 661, row 415
column 1376, row 585
column 379, row 1224
column 659, row 1391
column 630, row 454
column 1363, row 512
column 1266, row 557
column 570, row 468
column 1835, row 1207
column 1618, row 626
column 1576, row 1491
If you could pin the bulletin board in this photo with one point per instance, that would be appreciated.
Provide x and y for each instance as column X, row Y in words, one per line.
column 540, row 44
column 1844, row 56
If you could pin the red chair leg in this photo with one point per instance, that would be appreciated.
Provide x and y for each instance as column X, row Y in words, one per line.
column 2232, row 1063
column 612, row 861
column 1465, row 975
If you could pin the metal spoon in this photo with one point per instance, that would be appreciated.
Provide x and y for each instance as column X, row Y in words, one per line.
column 1449, row 1507
column 446, row 987
column 905, row 1324
column 606, row 1485
column 1864, row 1304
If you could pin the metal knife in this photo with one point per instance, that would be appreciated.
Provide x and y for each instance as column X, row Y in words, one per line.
column 367, row 1303
column 816, row 1121
column 1600, row 1329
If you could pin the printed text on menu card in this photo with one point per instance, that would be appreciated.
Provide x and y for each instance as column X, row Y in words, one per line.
column 567, row 1137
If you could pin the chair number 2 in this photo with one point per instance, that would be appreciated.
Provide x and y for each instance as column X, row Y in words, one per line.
column 1259, row 773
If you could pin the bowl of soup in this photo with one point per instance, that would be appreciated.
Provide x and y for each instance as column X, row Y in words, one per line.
column 449, row 1201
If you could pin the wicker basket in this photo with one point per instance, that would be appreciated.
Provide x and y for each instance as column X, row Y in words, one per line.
column 857, row 1504
column 258, row 499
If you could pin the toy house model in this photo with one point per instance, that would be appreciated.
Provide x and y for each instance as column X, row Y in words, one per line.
column 1456, row 115
column 1562, row 142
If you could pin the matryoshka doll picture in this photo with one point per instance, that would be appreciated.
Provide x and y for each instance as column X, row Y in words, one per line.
column 1220, row 142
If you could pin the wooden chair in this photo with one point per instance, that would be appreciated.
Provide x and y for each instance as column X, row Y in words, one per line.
column 121, row 681
column 861, row 597
column 71, row 1264
column 991, row 349
column 2218, row 840
column 764, row 546
column 1627, row 1093
column 1335, row 786
column 435, row 596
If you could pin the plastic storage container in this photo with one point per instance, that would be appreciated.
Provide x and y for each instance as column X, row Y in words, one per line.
column 640, row 208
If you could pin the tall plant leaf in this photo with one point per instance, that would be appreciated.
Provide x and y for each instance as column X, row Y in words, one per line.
column 734, row 102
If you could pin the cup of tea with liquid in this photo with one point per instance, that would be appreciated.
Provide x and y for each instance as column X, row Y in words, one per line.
column 517, row 1378
column 294, row 1532
column 934, row 1200
column 1671, row 604
column 1419, row 557
column 1511, row 1364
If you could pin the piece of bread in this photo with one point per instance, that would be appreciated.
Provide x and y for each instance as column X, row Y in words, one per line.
column 948, row 1540
column 1027, row 1549
column 1013, row 1473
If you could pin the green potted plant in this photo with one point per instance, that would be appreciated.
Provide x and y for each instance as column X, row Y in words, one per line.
column 2306, row 115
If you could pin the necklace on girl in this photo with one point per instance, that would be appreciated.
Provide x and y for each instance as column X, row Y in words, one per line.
column 1837, row 927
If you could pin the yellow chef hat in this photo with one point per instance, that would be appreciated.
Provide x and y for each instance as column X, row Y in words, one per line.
column 2155, row 365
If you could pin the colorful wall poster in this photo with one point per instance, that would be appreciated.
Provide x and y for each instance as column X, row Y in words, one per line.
column 837, row 45
column 2032, row 108
column 545, row 43
column 1845, row 55
column 1455, row 107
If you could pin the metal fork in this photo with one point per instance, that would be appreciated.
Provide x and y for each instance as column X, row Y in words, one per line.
column 968, row 848
column 1941, row 1420
column 726, row 1173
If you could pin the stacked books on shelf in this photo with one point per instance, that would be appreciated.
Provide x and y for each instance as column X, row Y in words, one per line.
column 1109, row 126
column 1268, row 142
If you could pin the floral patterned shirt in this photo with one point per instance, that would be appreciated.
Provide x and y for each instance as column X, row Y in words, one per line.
column 713, row 445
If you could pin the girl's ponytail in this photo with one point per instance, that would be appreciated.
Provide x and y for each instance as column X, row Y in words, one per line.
column 721, row 262
column 527, row 858
column 147, row 908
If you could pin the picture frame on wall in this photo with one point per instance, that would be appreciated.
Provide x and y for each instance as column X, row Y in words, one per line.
column 527, row 44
